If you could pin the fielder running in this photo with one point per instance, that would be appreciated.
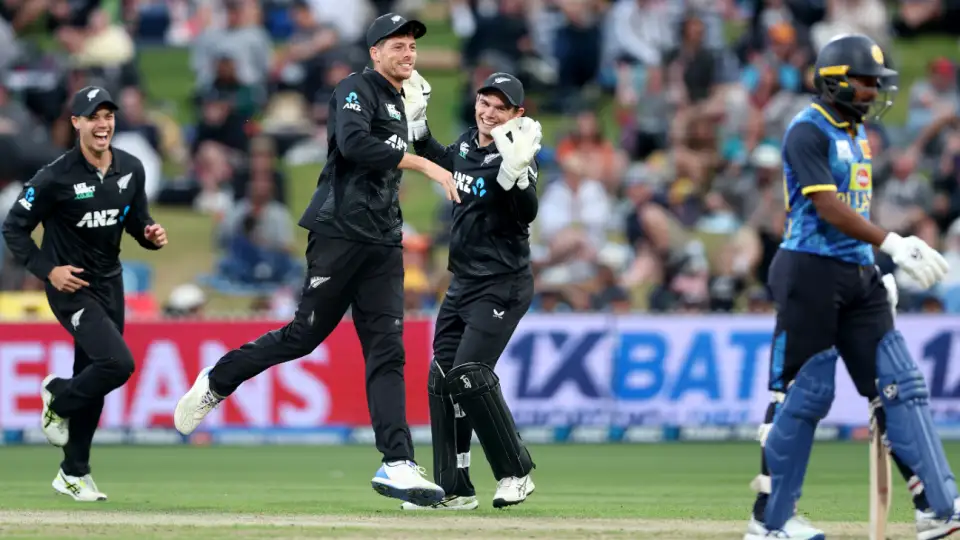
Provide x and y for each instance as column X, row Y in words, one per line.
column 492, row 287
column 85, row 199
column 831, row 301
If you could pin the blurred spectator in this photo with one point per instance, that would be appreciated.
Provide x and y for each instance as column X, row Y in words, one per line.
column 904, row 203
column 853, row 16
column 587, row 141
column 575, row 212
column 263, row 164
column 243, row 40
column 299, row 65
column 100, row 44
column 609, row 295
column 946, row 204
column 933, row 96
column 245, row 99
column 185, row 301
column 691, row 67
column 927, row 16
column 578, row 45
column 257, row 236
column 350, row 19
column 638, row 32
column 132, row 117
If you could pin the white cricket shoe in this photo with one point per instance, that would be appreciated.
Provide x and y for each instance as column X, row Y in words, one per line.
column 405, row 480
column 196, row 404
column 512, row 490
column 796, row 528
column 55, row 427
column 929, row 527
column 81, row 488
column 453, row 502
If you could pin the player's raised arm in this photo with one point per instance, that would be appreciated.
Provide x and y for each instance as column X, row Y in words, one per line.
column 416, row 96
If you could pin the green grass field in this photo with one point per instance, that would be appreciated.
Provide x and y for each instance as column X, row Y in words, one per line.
column 683, row 491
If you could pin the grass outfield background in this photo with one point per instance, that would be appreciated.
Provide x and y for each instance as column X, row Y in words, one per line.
column 688, row 491
column 169, row 83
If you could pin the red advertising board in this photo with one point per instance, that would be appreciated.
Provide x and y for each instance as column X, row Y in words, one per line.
column 325, row 388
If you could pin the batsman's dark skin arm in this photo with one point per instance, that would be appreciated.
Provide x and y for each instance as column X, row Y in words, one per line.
column 807, row 151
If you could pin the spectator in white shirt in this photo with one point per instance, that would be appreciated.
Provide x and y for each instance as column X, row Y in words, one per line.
column 575, row 215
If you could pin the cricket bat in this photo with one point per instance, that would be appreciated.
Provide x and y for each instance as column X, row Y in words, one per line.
column 880, row 492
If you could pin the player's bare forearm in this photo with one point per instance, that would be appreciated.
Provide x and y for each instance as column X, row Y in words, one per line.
column 845, row 219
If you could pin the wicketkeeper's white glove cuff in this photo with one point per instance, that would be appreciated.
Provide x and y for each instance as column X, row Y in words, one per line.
column 508, row 176
column 417, row 130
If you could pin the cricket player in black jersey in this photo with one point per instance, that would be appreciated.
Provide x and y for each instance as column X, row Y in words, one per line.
column 354, row 258
column 85, row 199
column 492, row 287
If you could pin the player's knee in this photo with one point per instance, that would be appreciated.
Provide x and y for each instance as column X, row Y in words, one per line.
column 898, row 377
column 301, row 337
column 812, row 391
column 436, row 384
column 471, row 378
column 119, row 367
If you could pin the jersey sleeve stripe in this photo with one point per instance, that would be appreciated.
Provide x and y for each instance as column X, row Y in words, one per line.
column 819, row 187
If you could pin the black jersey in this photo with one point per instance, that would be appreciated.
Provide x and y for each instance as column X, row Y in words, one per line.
column 491, row 225
column 83, row 213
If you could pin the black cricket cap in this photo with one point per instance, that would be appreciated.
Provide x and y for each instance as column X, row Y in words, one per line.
column 506, row 84
column 392, row 24
column 88, row 100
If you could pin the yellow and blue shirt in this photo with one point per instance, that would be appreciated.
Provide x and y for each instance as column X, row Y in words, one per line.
column 821, row 152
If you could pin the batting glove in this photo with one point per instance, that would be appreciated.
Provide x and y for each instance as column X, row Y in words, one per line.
column 518, row 142
column 416, row 96
column 918, row 260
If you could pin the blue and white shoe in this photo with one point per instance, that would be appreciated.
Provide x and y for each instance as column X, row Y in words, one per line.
column 796, row 528
column 405, row 480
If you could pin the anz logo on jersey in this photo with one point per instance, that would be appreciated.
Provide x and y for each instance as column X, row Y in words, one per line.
column 103, row 218
column 468, row 184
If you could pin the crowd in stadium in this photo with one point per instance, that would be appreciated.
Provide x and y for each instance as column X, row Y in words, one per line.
column 661, row 190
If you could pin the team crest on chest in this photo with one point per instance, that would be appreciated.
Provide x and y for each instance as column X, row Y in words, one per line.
column 464, row 149
column 393, row 112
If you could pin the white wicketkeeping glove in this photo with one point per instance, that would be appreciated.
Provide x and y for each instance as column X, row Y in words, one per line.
column 918, row 260
column 893, row 295
column 518, row 142
column 416, row 96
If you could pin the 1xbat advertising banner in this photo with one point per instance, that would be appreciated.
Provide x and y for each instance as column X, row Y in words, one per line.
column 685, row 371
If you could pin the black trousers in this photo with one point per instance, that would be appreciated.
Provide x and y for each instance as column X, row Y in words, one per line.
column 821, row 303
column 342, row 274
column 478, row 317
column 102, row 362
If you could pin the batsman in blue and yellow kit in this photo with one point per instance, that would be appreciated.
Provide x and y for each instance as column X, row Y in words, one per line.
column 832, row 303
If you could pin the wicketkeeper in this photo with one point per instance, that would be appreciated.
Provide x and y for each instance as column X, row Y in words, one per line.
column 495, row 171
